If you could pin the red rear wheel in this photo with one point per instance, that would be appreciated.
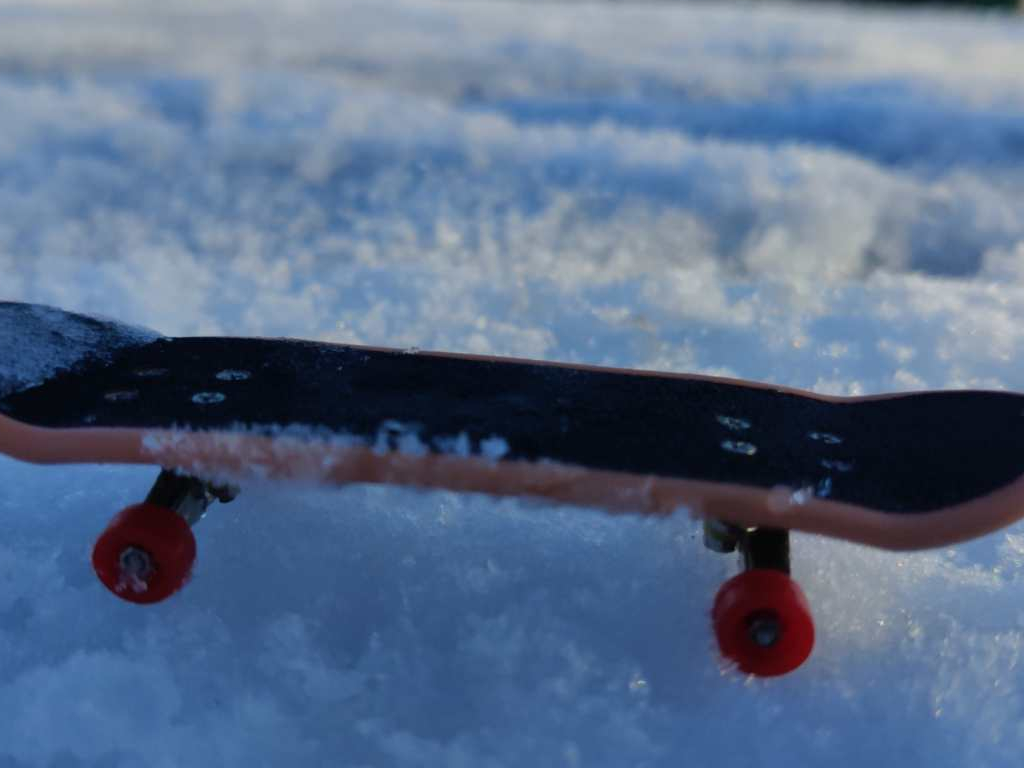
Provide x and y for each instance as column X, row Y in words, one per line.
column 146, row 553
column 763, row 622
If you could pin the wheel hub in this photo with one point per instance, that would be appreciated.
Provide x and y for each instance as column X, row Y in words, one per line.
column 136, row 567
column 764, row 629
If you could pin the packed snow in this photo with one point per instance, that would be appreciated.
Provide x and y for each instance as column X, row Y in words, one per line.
column 813, row 195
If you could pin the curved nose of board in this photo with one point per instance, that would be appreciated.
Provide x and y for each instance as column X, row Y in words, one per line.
column 145, row 554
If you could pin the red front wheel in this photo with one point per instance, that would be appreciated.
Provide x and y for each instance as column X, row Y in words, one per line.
column 763, row 622
column 146, row 554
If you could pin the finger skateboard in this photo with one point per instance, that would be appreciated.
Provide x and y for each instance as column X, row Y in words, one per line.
column 753, row 460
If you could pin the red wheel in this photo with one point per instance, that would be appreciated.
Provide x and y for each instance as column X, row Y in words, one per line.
column 763, row 622
column 146, row 554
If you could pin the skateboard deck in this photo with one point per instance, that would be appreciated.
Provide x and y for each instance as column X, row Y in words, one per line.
column 901, row 471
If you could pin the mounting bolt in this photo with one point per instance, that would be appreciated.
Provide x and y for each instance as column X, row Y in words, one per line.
column 720, row 537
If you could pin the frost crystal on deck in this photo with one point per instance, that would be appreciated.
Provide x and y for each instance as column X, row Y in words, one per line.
column 37, row 341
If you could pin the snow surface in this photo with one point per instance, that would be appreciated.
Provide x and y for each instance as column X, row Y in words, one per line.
column 811, row 195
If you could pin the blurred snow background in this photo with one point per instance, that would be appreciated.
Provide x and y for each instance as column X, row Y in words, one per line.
column 812, row 195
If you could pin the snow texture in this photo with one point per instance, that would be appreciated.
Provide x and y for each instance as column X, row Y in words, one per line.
column 814, row 195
